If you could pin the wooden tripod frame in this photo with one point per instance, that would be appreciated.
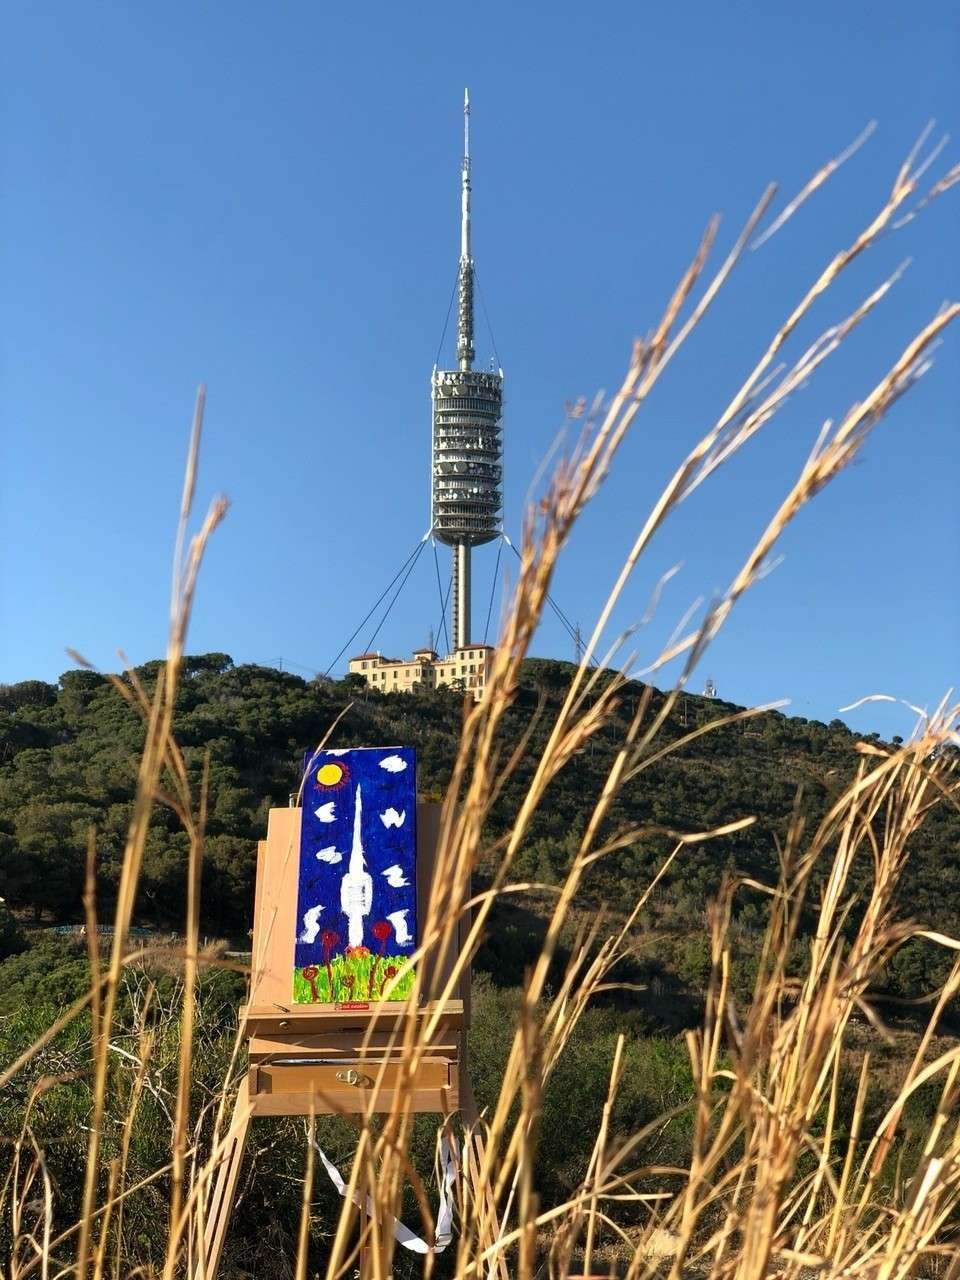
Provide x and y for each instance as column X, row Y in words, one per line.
column 327, row 1059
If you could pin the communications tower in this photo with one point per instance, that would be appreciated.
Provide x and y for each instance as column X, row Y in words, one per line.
column 467, row 404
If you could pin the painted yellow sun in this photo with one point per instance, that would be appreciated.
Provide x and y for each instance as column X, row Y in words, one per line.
column 330, row 775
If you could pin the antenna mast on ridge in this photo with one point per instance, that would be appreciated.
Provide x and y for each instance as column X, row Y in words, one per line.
column 466, row 502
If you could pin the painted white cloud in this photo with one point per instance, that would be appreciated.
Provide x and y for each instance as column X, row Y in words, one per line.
column 399, row 921
column 395, row 877
column 327, row 812
column 337, row 751
column 329, row 854
column 393, row 764
column 311, row 924
column 393, row 819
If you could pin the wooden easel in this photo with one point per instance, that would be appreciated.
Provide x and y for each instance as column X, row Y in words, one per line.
column 325, row 1059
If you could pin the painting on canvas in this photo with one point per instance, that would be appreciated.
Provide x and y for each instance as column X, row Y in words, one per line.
column 357, row 899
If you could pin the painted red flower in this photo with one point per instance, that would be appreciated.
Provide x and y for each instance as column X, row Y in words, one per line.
column 381, row 931
column 329, row 938
column 310, row 972
column 389, row 972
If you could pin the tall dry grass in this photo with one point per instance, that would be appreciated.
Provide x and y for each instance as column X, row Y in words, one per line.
column 778, row 1180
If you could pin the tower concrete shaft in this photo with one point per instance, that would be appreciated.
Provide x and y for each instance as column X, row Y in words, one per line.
column 461, row 595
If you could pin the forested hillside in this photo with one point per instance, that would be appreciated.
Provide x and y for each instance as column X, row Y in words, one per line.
column 68, row 761
column 68, row 757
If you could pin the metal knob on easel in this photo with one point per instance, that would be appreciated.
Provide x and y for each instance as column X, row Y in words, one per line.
column 356, row 1078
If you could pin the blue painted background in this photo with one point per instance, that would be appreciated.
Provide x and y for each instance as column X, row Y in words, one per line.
column 319, row 881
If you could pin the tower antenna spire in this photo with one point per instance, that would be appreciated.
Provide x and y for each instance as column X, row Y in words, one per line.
column 465, row 350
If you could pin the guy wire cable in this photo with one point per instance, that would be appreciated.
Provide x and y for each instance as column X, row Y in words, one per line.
column 493, row 587
column 565, row 621
column 403, row 583
column 483, row 307
column 443, row 598
column 377, row 602
column 453, row 294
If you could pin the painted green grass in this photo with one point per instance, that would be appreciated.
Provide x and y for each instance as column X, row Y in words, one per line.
column 360, row 975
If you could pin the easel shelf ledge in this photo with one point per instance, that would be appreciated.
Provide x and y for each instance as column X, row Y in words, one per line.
column 383, row 1016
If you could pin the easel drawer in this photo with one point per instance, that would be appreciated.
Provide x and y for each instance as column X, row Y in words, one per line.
column 333, row 1080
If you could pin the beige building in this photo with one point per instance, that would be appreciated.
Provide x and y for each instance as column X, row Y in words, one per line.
column 465, row 669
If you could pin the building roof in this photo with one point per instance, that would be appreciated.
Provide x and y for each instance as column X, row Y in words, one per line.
column 433, row 655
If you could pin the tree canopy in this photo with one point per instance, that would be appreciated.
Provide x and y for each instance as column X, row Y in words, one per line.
column 68, row 761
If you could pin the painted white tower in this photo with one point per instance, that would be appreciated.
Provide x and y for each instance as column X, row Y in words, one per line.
column 356, row 887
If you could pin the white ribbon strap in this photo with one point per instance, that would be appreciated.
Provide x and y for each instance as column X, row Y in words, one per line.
column 409, row 1239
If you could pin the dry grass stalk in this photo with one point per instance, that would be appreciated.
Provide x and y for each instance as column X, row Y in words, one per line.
column 506, row 1157
column 766, row 1077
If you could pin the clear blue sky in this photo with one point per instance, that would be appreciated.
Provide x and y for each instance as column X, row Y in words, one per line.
column 264, row 198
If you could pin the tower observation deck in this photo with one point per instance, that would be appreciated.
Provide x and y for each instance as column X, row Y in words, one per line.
column 467, row 404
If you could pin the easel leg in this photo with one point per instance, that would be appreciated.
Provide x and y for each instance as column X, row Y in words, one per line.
column 220, row 1204
column 363, row 1252
column 473, row 1153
